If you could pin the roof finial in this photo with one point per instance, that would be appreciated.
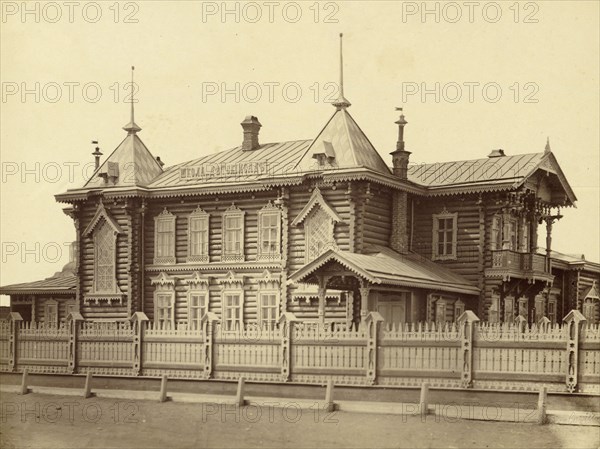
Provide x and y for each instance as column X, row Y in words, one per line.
column 547, row 149
column 131, row 127
column 341, row 102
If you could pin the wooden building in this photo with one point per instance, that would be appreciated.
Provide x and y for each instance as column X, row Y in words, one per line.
column 323, row 228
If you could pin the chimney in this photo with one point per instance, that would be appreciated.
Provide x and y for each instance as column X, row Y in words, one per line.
column 96, row 155
column 400, row 157
column 161, row 163
column 251, row 127
column 496, row 153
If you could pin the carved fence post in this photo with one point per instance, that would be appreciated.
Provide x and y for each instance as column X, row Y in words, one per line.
column 466, row 324
column 372, row 322
column 13, row 337
column 73, row 321
column 286, row 324
column 573, row 320
column 138, row 319
column 208, row 322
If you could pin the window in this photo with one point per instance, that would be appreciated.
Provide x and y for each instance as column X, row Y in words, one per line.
column 512, row 234
column 552, row 310
column 440, row 311
column 459, row 308
column 104, row 245
column 269, row 223
column 509, row 309
column 496, row 237
column 232, row 310
column 268, row 308
column 198, row 223
column 444, row 236
column 70, row 307
column 233, row 235
column 163, row 308
column 540, row 302
column 524, row 236
column 523, row 307
column 589, row 310
column 164, row 238
column 51, row 312
column 494, row 311
column 319, row 233
column 197, row 307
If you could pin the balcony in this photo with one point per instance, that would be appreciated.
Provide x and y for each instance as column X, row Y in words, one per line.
column 507, row 264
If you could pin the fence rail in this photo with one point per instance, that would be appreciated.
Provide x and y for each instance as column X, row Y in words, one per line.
column 468, row 353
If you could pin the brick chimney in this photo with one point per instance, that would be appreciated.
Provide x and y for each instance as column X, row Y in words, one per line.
column 400, row 158
column 251, row 127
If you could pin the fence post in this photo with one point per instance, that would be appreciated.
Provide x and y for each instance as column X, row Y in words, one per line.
column 372, row 322
column 573, row 320
column 329, row 404
column 424, row 399
column 13, row 338
column 208, row 322
column 542, row 406
column 467, row 332
column 137, row 319
column 286, row 324
column 73, row 322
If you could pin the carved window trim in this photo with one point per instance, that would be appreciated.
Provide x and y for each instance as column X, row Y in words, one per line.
column 232, row 285
column 235, row 254
column 494, row 310
column 459, row 308
column 164, row 252
column 268, row 286
column 198, row 252
column 437, row 218
column 274, row 252
column 311, row 227
column 164, row 297
column 70, row 307
column 440, row 305
column 509, row 309
column 496, row 234
column 198, row 287
column 552, row 309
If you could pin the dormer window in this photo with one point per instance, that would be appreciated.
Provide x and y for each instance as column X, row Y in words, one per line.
column 164, row 241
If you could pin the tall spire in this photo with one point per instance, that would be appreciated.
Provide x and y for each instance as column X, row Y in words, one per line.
column 547, row 149
column 341, row 102
column 131, row 127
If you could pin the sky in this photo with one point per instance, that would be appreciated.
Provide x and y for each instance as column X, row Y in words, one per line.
column 471, row 77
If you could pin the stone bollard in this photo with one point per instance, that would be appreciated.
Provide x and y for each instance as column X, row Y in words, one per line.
column 329, row 404
column 239, row 397
column 163, row 389
column 424, row 400
column 87, row 390
column 24, row 387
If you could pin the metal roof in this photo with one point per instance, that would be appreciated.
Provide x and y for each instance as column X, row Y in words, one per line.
column 384, row 266
column 488, row 170
column 137, row 166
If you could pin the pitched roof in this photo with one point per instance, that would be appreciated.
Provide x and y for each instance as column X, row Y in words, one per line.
column 345, row 145
column 504, row 171
column 137, row 166
column 383, row 266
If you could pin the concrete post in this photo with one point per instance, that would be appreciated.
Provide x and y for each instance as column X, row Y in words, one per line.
column 329, row 404
column 24, row 389
column 239, row 397
column 163, row 388
column 424, row 400
column 87, row 390
column 542, row 406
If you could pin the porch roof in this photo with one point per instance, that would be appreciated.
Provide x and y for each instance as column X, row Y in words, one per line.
column 383, row 266
column 62, row 282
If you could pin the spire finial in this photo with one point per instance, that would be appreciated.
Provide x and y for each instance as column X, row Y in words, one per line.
column 132, row 127
column 341, row 102
column 547, row 149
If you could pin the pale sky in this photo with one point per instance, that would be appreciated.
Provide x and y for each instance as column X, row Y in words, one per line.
column 498, row 76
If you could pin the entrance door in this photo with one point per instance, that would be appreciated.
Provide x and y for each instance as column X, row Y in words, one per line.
column 23, row 309
column 393, row 310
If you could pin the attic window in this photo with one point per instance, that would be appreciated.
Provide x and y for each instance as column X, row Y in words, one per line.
column 326, row 154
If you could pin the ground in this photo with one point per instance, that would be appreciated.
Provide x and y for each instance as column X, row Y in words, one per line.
column 51, row 421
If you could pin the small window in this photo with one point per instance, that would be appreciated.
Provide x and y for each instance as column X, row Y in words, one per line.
column 440, row 311
column 197, row 308
column 164, row 238
column 198, row 228
column 523, row 307
column 512, row 234
column 494, row 311
column 70, row 307
column 233, row 235
column 444, row 236
column 269, row 308
column 459, row 308
column 269, row 222
column 524, row 236
column 163, row 307
column 589, row 310
column 552, row 310
column 232, row 311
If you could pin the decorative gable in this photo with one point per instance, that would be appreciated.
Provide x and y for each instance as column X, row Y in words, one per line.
column 101, row 213
column 316, row 200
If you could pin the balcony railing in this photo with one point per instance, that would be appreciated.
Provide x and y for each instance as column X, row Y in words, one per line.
column 513, row 260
